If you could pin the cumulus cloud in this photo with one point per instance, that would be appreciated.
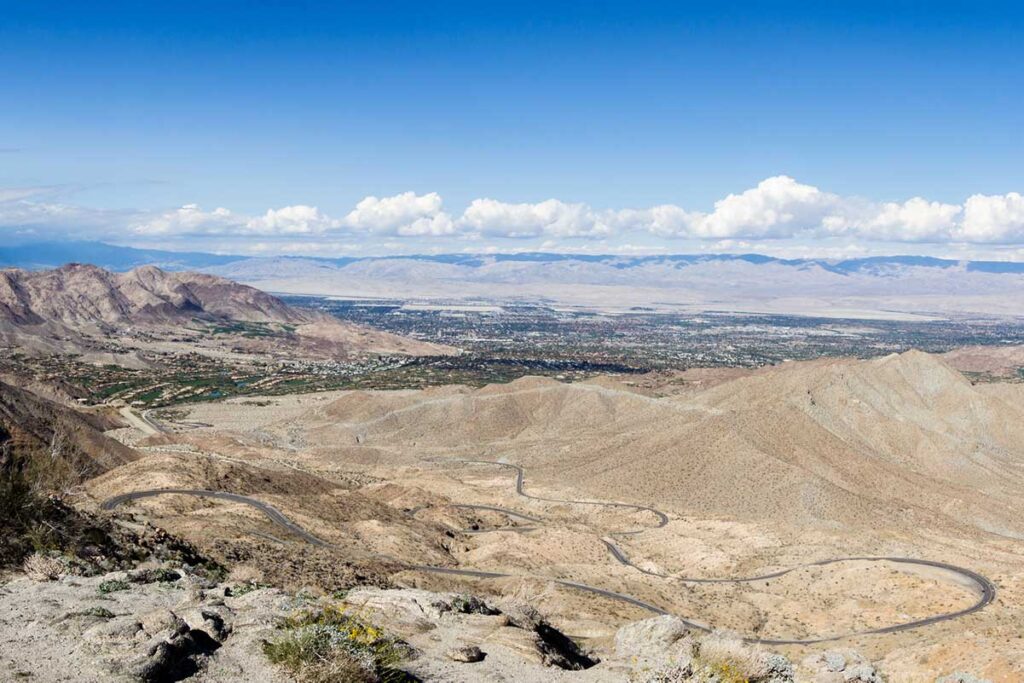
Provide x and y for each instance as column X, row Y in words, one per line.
column 993, row 218
column 293, row 220
column 914, row 220
column 552, row 217
column 777, row 208
column 665, row 220
column 405, row 214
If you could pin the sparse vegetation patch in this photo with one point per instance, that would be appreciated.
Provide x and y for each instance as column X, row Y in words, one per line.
column 113, row 586
column 329, row 644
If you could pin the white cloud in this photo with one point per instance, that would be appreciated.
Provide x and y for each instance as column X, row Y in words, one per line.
column 776, row 210
column 191, row 219
column 188, row 220
column 993, row 218
column 777, row 207
column 914, row 220
column 37, row 220
column 491, row 218
column 406, row 214
column 292, row 220
column 665, row 220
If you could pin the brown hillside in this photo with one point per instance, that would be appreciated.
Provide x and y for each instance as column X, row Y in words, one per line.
column 60, row 442
column 904, row 439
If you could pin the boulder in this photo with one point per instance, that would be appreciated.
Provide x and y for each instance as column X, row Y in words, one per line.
column 861, row 673
column 840, row 666
column 119, row 628
column 834, row 661
column 468, row 654
column 161, row 621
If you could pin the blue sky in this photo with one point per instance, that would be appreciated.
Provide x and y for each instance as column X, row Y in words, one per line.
column 116, row 115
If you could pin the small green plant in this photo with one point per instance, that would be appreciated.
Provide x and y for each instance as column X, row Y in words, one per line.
column 113, row 585
column 240, row 589
column 729, row 672
column 329, row 644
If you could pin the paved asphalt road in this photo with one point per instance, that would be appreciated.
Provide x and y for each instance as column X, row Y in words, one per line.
column 986, row 590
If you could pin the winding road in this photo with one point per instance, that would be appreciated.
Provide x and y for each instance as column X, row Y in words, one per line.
column 985, row 589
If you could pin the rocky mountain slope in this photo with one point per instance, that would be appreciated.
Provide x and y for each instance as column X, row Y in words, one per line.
column 65, row 307
column 133, row 626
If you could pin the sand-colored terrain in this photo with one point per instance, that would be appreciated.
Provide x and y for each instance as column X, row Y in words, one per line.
column 896, row 457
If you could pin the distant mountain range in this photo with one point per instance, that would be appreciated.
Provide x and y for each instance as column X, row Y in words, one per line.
column 42, row 255
column 882, row 286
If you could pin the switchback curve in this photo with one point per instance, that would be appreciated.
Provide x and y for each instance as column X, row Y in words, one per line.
column 985, row 587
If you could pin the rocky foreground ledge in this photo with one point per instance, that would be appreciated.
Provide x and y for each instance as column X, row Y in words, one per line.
column 165, row 623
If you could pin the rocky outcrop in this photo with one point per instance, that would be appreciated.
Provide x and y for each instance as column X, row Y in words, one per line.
column 655, row 642
column 157, row 624
column 507, row 625
column 841, row 666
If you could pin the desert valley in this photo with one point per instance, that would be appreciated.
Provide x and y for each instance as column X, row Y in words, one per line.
column 511, row 342
column 858, row 517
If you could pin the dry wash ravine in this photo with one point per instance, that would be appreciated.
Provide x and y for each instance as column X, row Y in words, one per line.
column 985, row 588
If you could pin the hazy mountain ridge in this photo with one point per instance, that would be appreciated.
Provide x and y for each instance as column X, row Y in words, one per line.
column 111, row 257
column 898, row 286
column 872, row 287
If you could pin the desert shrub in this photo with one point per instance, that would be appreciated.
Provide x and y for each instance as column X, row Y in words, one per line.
column 113, row 585
column 246, row 573
column 729, row 660
column 328, row 644
column 158, row 575
column 667, row 674
column 98, row 612
column 45, row 567
column 240, row 589
column 470, row 604
column 32, row 520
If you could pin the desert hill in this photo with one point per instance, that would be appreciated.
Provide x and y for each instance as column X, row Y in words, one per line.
column 897, row 457
column 65, row 307
column 46, row 452
column 1000, row 362
column 33, row 428
column 904, row 439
